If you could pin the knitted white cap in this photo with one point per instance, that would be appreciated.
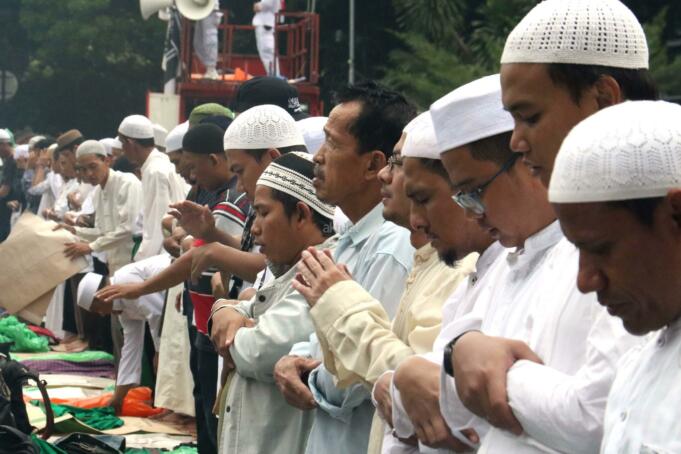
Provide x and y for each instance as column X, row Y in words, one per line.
column 21, row 151
column 137, row 127
column 175, row 136
column 34, row 140
column 582, row 32
column 5, row 136
column 262, row 127
column 627, row 151
column 421, row 141
column 110, row 143
column 312, row 129
column 160, row 134
column 87, row 287
column 90, row 147
column 471, row 112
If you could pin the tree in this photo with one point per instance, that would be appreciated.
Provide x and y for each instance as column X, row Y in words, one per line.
column 429, row 61
column 90, row 63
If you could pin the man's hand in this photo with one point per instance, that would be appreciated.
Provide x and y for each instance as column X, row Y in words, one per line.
column 77, row 249
column 197, row 220
column 226, row 323
column 418, row 381
column 288, row 374
column 75, row 200
column 480, row 366
column 383, row 399
column 13, row 205
column 317, row 273
column 61, row 225
column 121, row 291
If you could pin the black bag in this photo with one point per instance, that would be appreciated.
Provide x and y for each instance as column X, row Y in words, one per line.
column 16, row 442
column 81, row 443
column 13, row 377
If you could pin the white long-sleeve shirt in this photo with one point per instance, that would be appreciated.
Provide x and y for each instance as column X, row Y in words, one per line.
column 534, row 299
column 457, row 305
column 118, row 204
column 161, row 186
column 136, row 313
column 644, row 405
column 61, row 205
column 268, row 9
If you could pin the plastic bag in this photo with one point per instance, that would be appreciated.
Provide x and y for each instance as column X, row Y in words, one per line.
column 25, row 340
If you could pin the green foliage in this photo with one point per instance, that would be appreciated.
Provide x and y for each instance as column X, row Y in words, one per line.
column 90, row 64
column 429, row 63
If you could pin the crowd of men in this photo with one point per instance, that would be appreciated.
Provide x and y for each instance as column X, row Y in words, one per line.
column 493, row 274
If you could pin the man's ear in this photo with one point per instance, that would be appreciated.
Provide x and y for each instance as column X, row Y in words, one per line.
column 273, row 153
column 674, row 198
column 214, row 159
column 303, row 212
column 375, row 162
column 608, row 92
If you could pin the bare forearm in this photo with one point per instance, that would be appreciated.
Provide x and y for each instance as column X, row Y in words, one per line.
column 178, row 272
column 246, row 265
column 224, row 238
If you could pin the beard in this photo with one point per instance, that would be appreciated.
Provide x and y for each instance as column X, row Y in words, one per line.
column 449, row 257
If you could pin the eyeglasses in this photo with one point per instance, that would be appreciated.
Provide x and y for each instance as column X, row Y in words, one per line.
column 473, row 200
column 394, row 162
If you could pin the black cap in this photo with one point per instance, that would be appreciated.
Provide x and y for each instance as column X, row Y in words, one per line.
column 269, row 90
column 204, row 139
column 217, row 120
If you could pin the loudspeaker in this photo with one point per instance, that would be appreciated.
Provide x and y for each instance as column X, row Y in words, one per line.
column 149, row 7
column 195, row 9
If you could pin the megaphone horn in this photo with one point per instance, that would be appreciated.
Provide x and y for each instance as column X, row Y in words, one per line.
column 195, row 9
column 149, row 7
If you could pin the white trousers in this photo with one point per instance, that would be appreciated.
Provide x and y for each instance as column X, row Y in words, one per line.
column 264, row 40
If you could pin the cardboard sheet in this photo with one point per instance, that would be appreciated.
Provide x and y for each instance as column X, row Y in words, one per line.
column 33, row 263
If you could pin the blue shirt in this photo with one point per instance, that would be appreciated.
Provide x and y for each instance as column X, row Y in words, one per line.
column 379, row 255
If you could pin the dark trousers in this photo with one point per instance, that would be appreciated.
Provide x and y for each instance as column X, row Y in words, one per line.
column 204, row 367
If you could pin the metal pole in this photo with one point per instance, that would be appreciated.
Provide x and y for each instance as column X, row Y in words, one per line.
column 351, row 59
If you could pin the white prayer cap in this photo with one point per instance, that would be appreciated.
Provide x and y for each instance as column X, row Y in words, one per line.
column 160, row 134
column 627, row 151
column 262, row 127
column 109, row 143
column 175, row 136
column 87, row 287
column 420, row 141
column 90, row 147
column 5, row 136
column 312, row 129
column 21, row 151
column 582, row 32
column 137, row 127
column 34, row 140
column 471, row 112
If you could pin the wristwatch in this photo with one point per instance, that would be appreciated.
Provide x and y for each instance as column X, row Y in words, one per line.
column 447, row 358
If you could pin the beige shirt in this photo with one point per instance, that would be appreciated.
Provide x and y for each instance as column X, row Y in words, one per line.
column 359, row 342
column 117, row 206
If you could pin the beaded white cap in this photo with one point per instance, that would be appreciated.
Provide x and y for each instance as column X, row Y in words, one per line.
column 137, row 127
column 471, row 112
column 175, row 136
column 312, row 129
column 87, row 288
column 420, row 141
column 628, row 151
column 90, row 147
column 264, row 126
column 583, row 32
column 5, row 136
column 21, row 151
column 160, row 134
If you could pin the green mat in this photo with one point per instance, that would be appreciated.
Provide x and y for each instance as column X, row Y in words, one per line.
column 25, row 340
column 102, row 418
column 78, row 357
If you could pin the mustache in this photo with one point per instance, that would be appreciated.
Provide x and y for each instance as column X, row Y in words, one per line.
column 317, row 171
